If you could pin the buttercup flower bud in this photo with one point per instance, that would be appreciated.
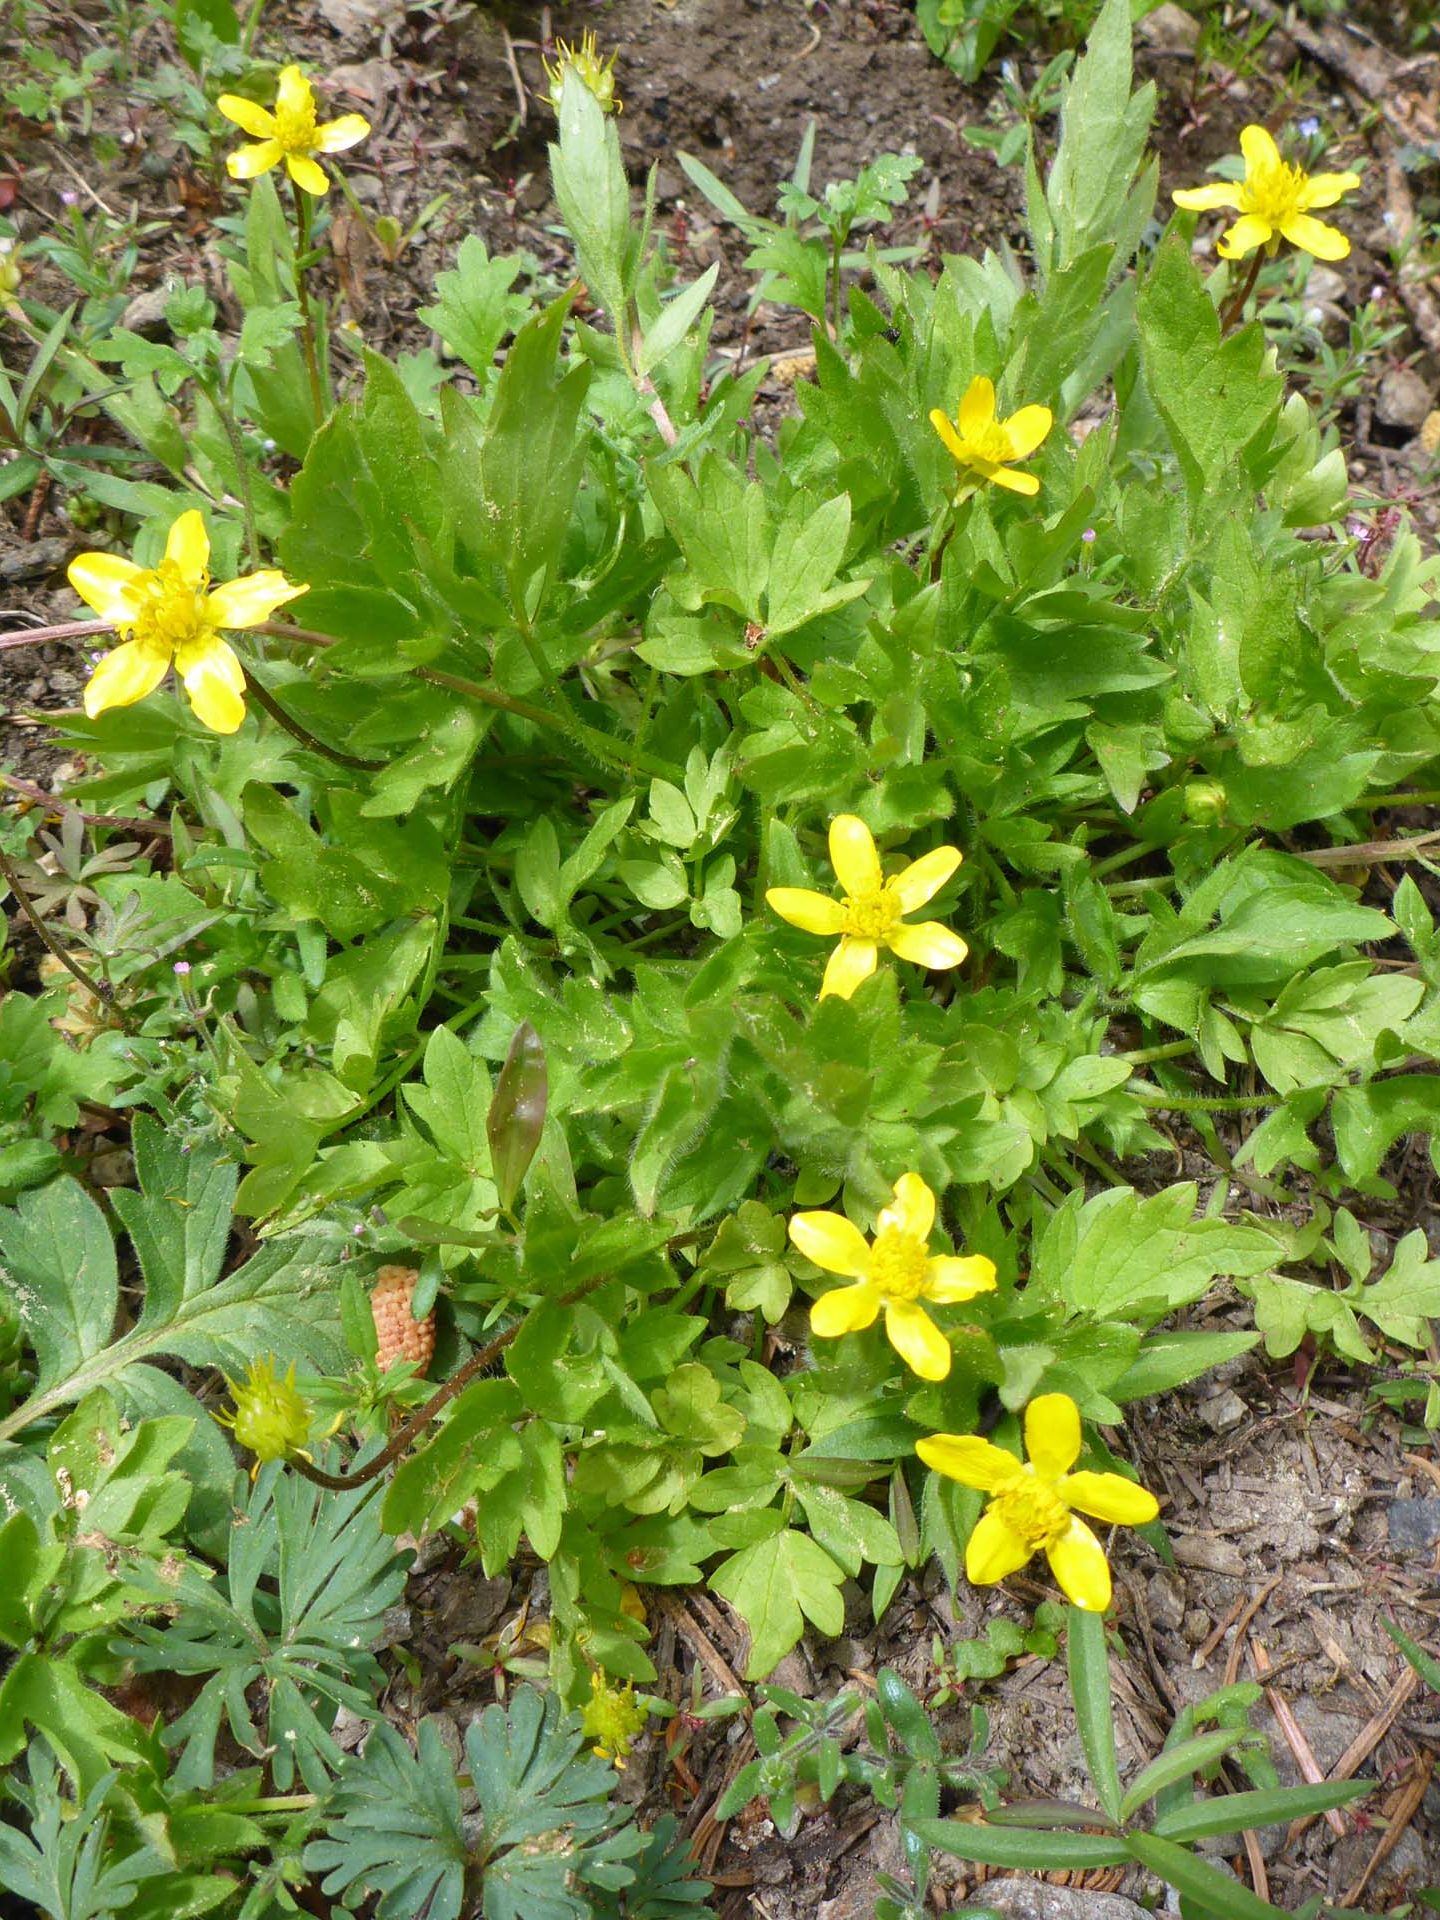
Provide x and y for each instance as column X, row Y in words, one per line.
column 1205, row 802
column 272, row 1418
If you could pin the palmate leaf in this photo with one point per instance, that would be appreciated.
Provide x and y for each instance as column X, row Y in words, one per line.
column 545, row 1830
column 63, row 1867
column 308, row 1577
column 59, row 1259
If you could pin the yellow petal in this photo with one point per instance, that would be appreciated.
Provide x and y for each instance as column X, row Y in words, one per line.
column 994, row 1550
column 918, row 885
column 256, row 120
column 946, row 430
column 1325, row 242
column 814, row 912
column 1248, row 233
column 1324, row 189
column 307, row 175
column 246, row 162
column 1078, row 1563
column 188, row 546
column 1259, row 149
column 917, row 1339
column 1110, row 1497
column 1014, row 482
column 853, row 855
column 110, row 585
column 336, row 135
column 912, row 1211
column 1224, row 193
column 293, row 94
column 124, row 676
column 977, row 409
column 951, row 1278
column 1026, row 429
column 1052, row 1434
column 215, row 683
column 927, row 945
column 969, row 1459
column 250, row 600
column 844, row 1310
column 832, row 1242
column 852, row 962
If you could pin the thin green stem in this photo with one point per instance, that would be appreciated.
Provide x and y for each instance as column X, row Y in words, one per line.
column 264, row 698
column 252, row 25
column 1129, row 889
column 1201, row 1103
column 302, row 294
column 1171, row 1050
column 226, row 417
column 599, row 745
column 1125, row 858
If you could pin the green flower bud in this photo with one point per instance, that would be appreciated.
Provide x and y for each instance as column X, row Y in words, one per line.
column 272, row 1418
column 1206, row 802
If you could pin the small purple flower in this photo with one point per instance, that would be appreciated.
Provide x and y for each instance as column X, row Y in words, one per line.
column 358, row 1228
column 1308, row 127
column 69, row 197
column 1088, row 536
column 182, row 967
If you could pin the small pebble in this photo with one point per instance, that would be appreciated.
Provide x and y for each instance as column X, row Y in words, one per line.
column 1414, row 1524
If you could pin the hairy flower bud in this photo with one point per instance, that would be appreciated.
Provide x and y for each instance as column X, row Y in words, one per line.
column 272, row 1418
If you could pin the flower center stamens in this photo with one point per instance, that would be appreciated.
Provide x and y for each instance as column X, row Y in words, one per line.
column 870, row 916
column 1032, row 1508
column 898, row 1264
column 1274, row 192
column 173, row 612
column 989, row 447
column 295, row 127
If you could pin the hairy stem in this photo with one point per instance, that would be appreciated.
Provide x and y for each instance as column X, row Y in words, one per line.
column 102, row 990
column 264, row 698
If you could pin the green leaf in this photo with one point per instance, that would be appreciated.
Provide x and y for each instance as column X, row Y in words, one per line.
column 777, row 1585
column 303, row 1653
column 1119, row 1255
column 1034, row 1852
column 1216, row 397
column 1239, row 1812
column 533, row 455
column 677, row 317
column 1212, row 1891
column 1424, row 1664
column 474, row 307
column 1088, row 1665
column 1176, row 1763
column 56, row 1245
column 45, row 1692
column 593, row 194
column 393, row 1828
column 1168, row 1360
column 1369, row 1120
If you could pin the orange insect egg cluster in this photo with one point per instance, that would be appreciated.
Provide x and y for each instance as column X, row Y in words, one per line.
column 398, row 1336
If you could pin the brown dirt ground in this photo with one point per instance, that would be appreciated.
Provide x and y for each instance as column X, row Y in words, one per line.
column 1276, row 1486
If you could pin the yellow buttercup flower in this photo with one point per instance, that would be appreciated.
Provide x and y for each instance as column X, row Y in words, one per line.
column 985, row 444
column 169, row 613
column 895, row 1271
column 289, row 133
column 1275, row 202
column 585, row 63
column 871, row 914
column 1033, row 1504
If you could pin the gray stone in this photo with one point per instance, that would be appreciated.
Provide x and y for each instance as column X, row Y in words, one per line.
column 1404, row 399
column 1222, row 1411
column 145, row 312
column 1325, row 284
column 1021, row 1899
column 1414, row 1524
column 1165, row 1597
column 1169, row 29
